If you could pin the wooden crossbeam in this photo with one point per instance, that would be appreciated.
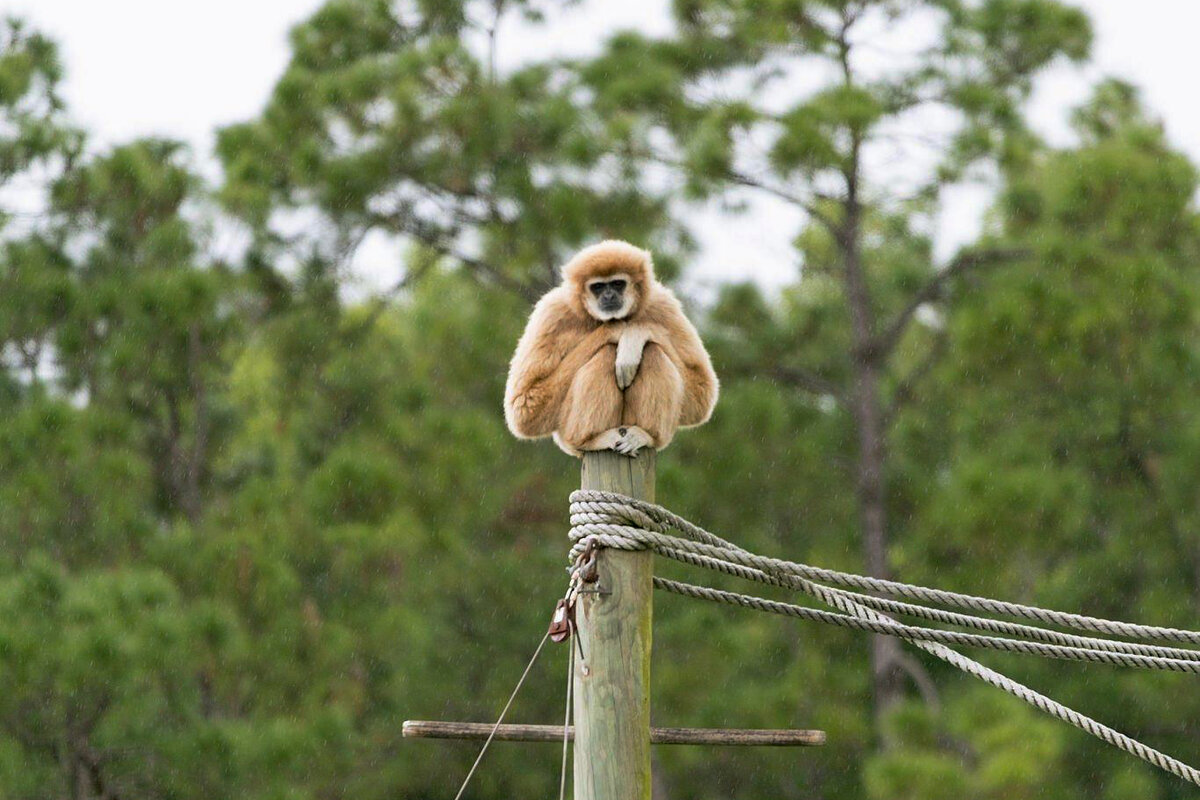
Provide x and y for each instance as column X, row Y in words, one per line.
column 426, row 729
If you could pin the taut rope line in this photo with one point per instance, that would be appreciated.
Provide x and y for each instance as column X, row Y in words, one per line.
column 604, row 519
column 839, row 598
column 500, row 719
column 619, row 522
column 914, row 633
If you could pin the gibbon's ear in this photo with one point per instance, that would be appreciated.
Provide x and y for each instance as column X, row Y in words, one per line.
column 607, row 258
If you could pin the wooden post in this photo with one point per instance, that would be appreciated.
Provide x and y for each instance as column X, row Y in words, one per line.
column 612, row 680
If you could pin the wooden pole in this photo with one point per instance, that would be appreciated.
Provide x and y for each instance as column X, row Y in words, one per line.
column 612, row 680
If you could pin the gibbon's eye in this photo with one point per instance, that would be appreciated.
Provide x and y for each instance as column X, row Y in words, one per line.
column 618, row 285
column 597, row 288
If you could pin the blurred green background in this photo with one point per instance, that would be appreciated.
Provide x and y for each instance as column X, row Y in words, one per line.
column 251, row 519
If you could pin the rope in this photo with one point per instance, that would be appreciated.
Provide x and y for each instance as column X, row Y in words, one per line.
column 500, row 719
column 918, row 634
column 562, row 775
column 842, row 599
column 612, row 520
column 623, row 523
column 734, row 561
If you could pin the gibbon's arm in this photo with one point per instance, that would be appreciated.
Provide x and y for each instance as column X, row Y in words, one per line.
column 629, row 353
column 551, row 350
column 700, row 385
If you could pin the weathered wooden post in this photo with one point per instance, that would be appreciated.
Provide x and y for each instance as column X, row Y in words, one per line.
column 611, row 683
column 612, row 680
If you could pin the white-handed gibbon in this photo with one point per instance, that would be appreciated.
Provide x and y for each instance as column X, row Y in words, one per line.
column 608, row 361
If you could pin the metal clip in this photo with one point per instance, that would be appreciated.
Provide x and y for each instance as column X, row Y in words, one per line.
column 563, row 621
column 562, row 624
column 586, row 565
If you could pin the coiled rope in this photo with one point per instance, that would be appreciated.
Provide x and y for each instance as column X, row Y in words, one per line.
column 615, row 521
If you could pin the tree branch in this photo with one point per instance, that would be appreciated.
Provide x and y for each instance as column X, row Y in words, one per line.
column 965, row 262
column 495, row 275
column 920, row 677
column 808, row 207
column 741, row 179
column 906, row 389
column 434, row 241
column 381, row 301
column 808, row 381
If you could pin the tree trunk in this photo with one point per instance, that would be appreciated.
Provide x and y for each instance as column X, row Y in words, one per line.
column 194, row 465
column 867, row 413
column 872, row 505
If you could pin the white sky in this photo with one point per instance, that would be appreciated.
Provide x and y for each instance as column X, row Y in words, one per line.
column 181, row 69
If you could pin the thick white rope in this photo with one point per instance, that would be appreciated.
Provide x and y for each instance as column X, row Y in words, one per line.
column 920, row 634
column 620, row 522
column 840, row 598
column 611, row 520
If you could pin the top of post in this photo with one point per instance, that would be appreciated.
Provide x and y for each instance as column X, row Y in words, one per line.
column 607, row 471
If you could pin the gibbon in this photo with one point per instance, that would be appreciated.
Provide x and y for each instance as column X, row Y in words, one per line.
column 608, row 361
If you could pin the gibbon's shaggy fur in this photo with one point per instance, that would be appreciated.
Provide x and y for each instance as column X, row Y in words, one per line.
column 608, row 360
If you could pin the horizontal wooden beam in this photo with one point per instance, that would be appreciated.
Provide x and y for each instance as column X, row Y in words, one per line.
column 425, row 729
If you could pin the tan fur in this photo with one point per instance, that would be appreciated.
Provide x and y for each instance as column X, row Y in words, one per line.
column 562, row 380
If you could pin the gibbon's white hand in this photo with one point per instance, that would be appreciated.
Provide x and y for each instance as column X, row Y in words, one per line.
column 629, row 356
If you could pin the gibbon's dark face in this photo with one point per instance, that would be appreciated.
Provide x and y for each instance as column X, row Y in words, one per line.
column 610, row 297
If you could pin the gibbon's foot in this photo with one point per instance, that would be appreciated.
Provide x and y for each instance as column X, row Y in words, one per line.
column 630, row 439
column 603, row 441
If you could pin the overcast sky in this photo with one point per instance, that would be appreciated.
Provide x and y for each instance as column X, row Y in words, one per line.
column 180, row 69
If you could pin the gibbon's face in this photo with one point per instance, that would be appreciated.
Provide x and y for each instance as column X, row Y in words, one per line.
column 610, row 297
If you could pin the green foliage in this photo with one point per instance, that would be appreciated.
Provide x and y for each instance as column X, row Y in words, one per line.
column 248, row 526
column 387, row 121
column 35, row 132
column 71, row 485
column 101, row 670
column 1010, row 751
column 1068, row 382
column 970, row 82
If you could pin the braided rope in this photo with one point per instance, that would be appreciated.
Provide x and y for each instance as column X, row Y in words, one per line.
column 842, row 599
column 919, row 634
column 619, row 522
column 727, row 560
column 613, row 520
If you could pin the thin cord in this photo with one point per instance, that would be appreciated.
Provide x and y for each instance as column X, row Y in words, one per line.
column 562, row 778
column 496, row 727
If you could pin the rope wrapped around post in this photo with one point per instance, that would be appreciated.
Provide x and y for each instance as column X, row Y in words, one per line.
column 604, row 519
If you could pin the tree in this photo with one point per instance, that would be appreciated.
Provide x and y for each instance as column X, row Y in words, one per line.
column 697, row 102
column 249, row 524
column 388, row 122
column 36, row 141
column 1058, row 429
column 151, row 313
column 101, row 699
column 36, row 132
